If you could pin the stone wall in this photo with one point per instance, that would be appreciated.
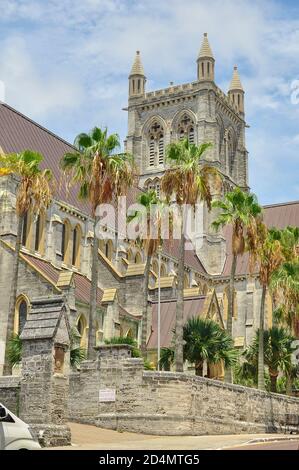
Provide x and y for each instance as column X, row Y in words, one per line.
column 9, row 393
column 169, row 403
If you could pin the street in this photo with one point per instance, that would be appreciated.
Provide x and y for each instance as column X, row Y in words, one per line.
column 87, row 437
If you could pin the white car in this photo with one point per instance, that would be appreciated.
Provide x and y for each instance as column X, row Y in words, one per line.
column 14, row 433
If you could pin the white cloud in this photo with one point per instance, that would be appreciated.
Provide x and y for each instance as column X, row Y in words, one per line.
column 75, row 56
column 30, row 88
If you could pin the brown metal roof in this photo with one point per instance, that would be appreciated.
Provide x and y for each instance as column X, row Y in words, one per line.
column 82, row 290
column 282, row 215
column 276, row 215
column 192, row 307
column 171, row 248
column 82, row 284
column 18, row 132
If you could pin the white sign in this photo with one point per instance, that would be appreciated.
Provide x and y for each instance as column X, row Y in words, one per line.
column 107, row 394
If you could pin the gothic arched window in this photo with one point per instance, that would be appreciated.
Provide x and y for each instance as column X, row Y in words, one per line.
column 230, row 150
column 40, row 232
column 77, row 235
column 156, row 145
column 186, row 129
column 25, row 229
column 22, row 315
column 65, row 241
column 21, row 310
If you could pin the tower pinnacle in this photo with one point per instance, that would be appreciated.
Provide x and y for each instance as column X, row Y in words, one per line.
column 205, row 61
column 236, row 91
column 137, row 67
column 137, row 78
column 205, row 50
column 235, row 84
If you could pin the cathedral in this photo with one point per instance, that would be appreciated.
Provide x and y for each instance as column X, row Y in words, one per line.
column 56, row 246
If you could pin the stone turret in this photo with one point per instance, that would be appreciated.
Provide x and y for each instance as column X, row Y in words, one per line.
column 236, row 91
column 137, row 78
column 205, row 61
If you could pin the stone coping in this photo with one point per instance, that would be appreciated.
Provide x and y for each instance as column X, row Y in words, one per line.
column 216, row 383
column 8, row 381
column 106, row 347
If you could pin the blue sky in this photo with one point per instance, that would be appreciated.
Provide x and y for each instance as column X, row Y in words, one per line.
column 65, row 64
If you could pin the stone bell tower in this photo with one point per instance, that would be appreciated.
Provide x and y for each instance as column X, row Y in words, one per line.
column 201, row 112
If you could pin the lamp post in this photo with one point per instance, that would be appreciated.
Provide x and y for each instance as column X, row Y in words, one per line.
column 159, row 307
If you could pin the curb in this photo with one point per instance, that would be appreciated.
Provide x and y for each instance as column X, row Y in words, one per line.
column 260, row 440
column 273, row 439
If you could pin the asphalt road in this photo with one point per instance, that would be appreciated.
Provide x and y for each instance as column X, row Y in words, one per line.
column 86, row 437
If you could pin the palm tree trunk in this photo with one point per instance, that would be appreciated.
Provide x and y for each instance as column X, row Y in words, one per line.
column 289, row 385
column 199, row 369
column 145, row 305
column 116, row 231
column 273, row 380
column 231, row 297
column 230, row 310
column 179, row 359
column 91, row 354
column 261, row 364
column 13, row 293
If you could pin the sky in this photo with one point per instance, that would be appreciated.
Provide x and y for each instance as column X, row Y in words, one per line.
column 65, row 64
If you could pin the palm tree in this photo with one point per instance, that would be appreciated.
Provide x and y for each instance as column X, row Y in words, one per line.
column 34, row 192
column 205, row 340
column 289, row 240
column 189, row 181
column 150, row 245
column 270, row 257
column 285, row 281
column 14, row 350
column 278, row 351
column 167, row 358
column 285, row 284
column 242, row 211
column 102, row 176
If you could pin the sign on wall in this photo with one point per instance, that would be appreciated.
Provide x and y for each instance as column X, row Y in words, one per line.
column 107, row 394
